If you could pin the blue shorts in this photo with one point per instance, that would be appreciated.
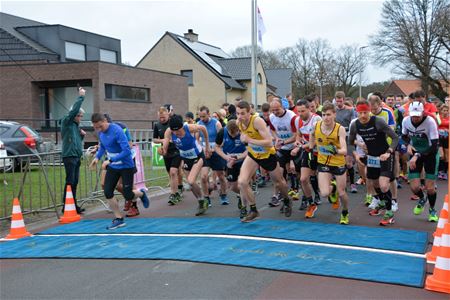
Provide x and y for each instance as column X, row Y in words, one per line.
column 215, row 162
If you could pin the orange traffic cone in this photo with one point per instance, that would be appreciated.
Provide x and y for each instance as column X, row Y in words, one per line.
column 443, row 219
column 70, row 212
column 18, row 229
column 440, row 280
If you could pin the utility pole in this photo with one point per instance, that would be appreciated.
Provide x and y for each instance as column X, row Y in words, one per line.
column 360, row 70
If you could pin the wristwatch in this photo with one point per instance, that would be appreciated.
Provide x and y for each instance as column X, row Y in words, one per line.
column 417, row 154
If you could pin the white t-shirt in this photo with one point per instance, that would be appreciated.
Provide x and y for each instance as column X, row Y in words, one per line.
column 284, row 127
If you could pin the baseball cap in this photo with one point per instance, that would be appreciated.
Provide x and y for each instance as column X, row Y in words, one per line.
column 175, row 122
column 416, row 109
column 169, row 107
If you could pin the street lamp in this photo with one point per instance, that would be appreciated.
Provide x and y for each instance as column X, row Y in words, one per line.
column 360, row 70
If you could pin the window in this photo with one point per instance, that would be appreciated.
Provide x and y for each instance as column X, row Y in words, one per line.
column 189, row 75
column 259, row 78
column 126, row 93
column 108, row 56
column 75, row 51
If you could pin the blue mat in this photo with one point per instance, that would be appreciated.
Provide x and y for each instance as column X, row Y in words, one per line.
column 378, row 238
column 318, row 260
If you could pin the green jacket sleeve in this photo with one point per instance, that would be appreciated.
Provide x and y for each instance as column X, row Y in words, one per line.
column 75, row 109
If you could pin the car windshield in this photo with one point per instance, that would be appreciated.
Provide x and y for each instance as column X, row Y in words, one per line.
column 31, row 131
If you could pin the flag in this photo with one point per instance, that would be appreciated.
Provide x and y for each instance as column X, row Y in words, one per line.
column 260, row 25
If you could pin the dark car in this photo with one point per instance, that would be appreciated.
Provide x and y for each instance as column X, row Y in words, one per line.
column 19, row 139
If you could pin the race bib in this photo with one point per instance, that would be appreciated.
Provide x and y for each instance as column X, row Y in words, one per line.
column 257, row 149
column 189, row 154
column 373, row 161
column 443, row 133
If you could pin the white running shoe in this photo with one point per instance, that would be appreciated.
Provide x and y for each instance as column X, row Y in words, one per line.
column 394, row 206
column 375, row 202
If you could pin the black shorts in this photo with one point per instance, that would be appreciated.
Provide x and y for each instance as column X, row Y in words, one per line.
column 233, row 173
column 337, row 171
column 443, row 142
column 284, row 157
column 172, row 162
column 189, row 163
column 428, row 162
column 309, row 160
column 112, row 178
column 269, row 164
column 215, row 162
column 386, row 168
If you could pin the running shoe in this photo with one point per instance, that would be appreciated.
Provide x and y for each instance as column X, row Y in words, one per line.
column 375, row 211
column 202, row 207
column 287, row 207
column 224, row 199
column 353, row 189
column 394, row 205
column 172, row 199
column 251, row 216
column 374, row 203
column 317, row 199
column 292, row 192
column 295, row 196
column 239, row 202
column 275, row 201
column 311, row 210
column 360, row 181
column 127, row 205
column 432, row 215
column 116, row 223
column 178, row 197
column 368, row 200
column 333, row 197
column 133, row 212
column 336, row 205
column 242, row 213
column 344, row 219
column 303, row 204
column 441, row 175
column 418, row 209
column 387, row 219
column 144, row 199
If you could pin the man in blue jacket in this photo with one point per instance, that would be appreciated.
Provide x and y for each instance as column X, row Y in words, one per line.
column 72, row 146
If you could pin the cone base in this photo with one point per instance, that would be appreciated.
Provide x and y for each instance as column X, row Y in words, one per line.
column 66, row 220
column 433, row 284
column 16, row 236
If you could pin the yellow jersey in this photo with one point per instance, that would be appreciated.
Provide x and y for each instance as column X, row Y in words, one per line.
column 258, row 152
column 326, row 145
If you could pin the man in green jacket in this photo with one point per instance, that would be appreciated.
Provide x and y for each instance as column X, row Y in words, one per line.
column 72, row 147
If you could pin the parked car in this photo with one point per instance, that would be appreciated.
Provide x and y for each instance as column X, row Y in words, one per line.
column 5, row 163
column 19, row 139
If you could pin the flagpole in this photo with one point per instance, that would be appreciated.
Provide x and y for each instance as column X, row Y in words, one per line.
column 254, row 53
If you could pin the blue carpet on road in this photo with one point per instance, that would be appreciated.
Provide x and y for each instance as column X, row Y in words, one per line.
column 378, row 238
column 318, row 260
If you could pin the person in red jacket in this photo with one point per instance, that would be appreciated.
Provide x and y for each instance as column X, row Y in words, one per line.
column 443, row 141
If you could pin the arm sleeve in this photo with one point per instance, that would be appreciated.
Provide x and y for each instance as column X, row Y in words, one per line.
column 352, row 134
column 124, row 146
column 156, row 132
column 100, row 151
column 391, row 120
column 75, row 108
column 219, row 137
column 382, row 126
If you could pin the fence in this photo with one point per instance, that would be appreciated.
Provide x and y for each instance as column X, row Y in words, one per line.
column 40, row 180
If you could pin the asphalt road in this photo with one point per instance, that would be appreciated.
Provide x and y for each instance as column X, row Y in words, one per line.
column 155, row 279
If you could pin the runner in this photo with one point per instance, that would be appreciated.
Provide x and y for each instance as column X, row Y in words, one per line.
column 421, row 134
column 114, row 142
column 172, row 159
column 232, row 150
column 380, row 155
column 191, row 153
column 307, row 167
column 282, row 123
column 261, row 152
column 213, row 161
column 443, row 142
column 329, row 137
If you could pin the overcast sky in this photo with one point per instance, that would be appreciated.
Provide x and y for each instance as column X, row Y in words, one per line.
column 225, row 24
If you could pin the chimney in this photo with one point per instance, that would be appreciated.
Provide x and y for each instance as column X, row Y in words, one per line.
column 191, row 35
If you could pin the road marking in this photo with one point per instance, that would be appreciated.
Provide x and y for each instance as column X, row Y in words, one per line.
column 243, row 237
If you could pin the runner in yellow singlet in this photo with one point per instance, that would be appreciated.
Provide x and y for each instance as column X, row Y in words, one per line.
column 329, row 137
column 261, row 152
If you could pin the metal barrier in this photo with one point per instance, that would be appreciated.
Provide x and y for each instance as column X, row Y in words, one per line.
column 38, row 181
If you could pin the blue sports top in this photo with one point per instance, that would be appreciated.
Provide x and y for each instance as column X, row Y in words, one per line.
column 212, row 131
column 188, row 144
column 115, row 143
column 232, row 145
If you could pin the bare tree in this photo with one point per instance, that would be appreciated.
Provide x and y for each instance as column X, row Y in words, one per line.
column 322, row 60
column 348, row 65
column 414, row 37
column 269, row 59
